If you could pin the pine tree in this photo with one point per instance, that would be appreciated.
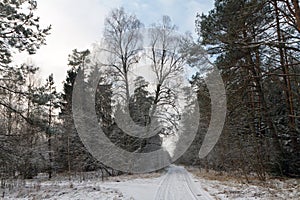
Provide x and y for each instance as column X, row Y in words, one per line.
column 255, row 64
column 19, row 29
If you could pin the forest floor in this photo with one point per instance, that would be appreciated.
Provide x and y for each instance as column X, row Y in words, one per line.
column 224, row 186
column 171, row 184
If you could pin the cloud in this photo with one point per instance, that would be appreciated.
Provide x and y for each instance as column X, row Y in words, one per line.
column 183, row 13
column 79, row 23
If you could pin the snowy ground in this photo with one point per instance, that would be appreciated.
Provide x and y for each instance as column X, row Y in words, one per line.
column 226, row 187
column 178, row 184
column 132, row 187
column 175, row 183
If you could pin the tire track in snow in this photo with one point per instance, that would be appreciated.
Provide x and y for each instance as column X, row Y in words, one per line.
column 178, row 185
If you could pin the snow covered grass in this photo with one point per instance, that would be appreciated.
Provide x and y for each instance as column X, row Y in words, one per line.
column 224, row 186
column 36, row 190
column 113, row 188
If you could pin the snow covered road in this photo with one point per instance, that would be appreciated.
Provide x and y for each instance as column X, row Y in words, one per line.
column 178, row 184
column 175, row 184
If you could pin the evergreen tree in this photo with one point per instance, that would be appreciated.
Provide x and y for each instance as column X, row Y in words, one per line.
column 19, row 29
column 254, row 64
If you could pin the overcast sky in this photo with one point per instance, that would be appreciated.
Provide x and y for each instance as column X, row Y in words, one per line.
column 79, row 23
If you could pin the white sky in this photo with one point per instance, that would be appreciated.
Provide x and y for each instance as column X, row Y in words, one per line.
column 79, row 24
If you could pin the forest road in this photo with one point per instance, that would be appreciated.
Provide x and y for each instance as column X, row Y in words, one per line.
column 179, row 185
